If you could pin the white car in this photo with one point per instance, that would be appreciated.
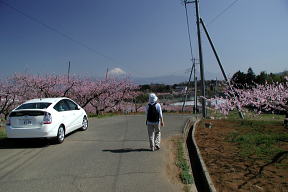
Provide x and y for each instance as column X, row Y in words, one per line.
column 46, row 117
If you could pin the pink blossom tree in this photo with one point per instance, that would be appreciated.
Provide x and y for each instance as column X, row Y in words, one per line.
column 11, row 95
column 113, row 93
column 101, row 95
column 261, row 98
column 46, row 85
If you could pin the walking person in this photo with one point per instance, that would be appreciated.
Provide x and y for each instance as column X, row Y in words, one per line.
column 153, row 122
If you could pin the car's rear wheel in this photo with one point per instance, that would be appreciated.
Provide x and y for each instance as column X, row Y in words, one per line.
column 84, row 124
column 60, row 135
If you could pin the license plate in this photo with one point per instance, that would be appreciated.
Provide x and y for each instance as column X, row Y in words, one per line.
column 27, row 122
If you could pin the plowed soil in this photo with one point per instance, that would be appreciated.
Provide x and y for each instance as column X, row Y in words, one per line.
column 230, row 170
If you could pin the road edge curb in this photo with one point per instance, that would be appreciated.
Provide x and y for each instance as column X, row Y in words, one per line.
column 192, row 124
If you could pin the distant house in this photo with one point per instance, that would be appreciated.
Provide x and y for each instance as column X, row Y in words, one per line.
column 180, row 89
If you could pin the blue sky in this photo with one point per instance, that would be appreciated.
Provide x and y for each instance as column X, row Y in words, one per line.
column 143, row 38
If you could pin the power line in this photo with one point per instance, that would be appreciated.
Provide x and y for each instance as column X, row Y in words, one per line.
column 200, row 55
column 191, row 52
column 188, row 30
column 223, row 11
column 53, row 29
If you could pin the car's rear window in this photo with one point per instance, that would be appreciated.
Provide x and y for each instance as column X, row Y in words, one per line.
column 26, row 113
column 34, row 106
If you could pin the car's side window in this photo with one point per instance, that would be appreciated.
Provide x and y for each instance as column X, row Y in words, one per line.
column 61, row 106
column 71, row 104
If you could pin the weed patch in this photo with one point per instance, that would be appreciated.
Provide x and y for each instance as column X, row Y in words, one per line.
column 263, row 145
column 2, row 133
column 185, row 173
column 257, row 139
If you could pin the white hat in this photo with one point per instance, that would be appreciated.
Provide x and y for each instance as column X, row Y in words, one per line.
column 152, row 98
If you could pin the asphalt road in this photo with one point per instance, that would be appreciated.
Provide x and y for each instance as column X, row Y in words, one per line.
column 112, row 155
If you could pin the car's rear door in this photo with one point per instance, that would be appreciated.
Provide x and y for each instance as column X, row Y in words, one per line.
column 64, row 115
column 76, row 114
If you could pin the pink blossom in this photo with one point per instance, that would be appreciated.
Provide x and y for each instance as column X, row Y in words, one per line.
column 269, row 97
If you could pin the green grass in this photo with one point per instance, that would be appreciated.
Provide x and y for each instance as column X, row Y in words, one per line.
column 185, row 173
column 2, row 129
column 91, row 115
column 263, row 145
column 258, row 139
column 260, row 126
column 248, row 115
column 2, row 133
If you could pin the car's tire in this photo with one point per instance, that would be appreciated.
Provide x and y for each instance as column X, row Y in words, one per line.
column 84, row 124
column 60, row 135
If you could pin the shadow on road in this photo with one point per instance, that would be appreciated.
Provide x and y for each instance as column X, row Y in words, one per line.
column 23, row 143
column 29, row 142
column 126, row 150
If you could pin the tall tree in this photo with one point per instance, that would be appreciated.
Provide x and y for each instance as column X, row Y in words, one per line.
column 250, row 77
column 238, row 79
column 261, row 78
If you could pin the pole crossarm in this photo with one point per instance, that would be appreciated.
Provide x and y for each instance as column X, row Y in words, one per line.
column 187, row 2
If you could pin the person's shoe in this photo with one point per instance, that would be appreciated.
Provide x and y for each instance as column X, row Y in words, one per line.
column 157, row 147
column 152, row 149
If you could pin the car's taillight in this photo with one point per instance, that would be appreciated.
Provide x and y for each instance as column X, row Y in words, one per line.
column 47, row 118
column 8, row 122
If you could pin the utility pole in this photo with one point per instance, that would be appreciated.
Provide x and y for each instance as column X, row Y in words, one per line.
column 68, row 71
column 200, row 56
column 195, row 89
column 187, row 86
column 201, row 61
column 106, row 77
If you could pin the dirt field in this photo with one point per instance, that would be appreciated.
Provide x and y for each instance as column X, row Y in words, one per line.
column 233, row 169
